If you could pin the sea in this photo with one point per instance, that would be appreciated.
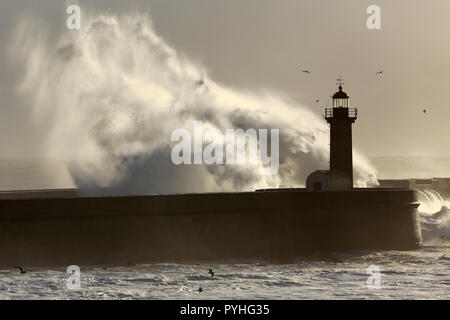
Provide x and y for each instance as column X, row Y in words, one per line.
column 417, row 274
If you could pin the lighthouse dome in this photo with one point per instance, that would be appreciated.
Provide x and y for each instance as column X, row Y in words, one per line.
column 340, row 99
column 340, row 94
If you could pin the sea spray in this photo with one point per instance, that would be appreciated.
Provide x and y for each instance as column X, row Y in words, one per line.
column 434, row 216
column 107, row 97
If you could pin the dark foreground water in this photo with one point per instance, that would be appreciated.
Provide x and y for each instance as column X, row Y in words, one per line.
column 422, row 274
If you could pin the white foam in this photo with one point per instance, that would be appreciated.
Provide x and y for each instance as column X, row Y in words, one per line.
column 106, row 99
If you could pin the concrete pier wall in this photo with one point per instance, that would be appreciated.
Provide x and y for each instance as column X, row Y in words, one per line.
column 273, row 225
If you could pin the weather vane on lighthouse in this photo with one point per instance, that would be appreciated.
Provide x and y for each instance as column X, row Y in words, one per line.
column 340, row 81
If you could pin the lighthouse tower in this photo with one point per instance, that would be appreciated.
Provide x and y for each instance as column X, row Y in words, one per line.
column 340, row 176
column 341, row 117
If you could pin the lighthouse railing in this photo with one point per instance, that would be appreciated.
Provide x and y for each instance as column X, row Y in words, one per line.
column 352, row 112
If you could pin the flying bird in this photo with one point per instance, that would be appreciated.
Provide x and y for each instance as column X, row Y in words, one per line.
column 211, row 273
column 22, row 270
column 132, row 263
column 306, row 72
column 317, row 100
column 380, row 72
column 328, row 256
column 424, row 111
column 200, row 290
column 199, row 83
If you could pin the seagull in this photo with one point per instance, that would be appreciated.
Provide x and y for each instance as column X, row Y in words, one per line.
column 306, row 71
column 131, row 263
column 200, row 289
column 199, row 83
column 22, row 270
column 380, row 72
column 211, row 273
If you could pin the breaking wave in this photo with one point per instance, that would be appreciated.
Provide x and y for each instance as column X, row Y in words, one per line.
column 107, row 97
column 434, row 216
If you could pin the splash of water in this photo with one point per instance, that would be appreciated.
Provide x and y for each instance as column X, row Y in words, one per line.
column 106, row 99
column 434, row 215
column 431, row 202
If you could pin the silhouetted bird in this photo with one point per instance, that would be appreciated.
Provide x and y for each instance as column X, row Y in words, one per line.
column 261, row 264
column 306, row 72
column 380, row 72
column 211, row 273
column 199, row 83
column 317, row 100
column 22, row 270
column 442, row 257
column 424, row 111
column 200, row 290
column 131, row 263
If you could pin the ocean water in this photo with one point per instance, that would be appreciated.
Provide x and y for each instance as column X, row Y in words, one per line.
column 418, row 274
column 421, row 274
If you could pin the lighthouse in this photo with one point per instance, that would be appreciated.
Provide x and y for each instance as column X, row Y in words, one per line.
column 340, row 117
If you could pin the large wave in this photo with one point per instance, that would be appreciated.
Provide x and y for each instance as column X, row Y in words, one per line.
column 107, row 97
column 434, row 216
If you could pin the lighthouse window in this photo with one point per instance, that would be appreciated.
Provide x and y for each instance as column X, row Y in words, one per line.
column 340, row 103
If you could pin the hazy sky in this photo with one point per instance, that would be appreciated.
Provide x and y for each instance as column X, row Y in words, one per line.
column 265, row 44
